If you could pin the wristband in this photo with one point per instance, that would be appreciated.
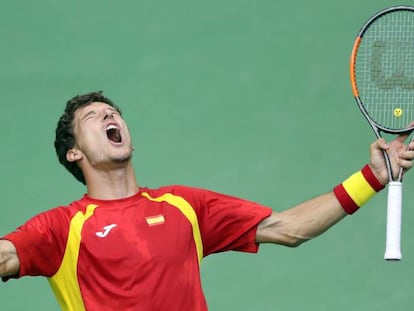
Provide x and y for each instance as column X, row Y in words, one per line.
column 357, row 189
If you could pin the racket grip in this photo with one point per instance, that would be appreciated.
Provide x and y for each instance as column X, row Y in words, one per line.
column 393, row 233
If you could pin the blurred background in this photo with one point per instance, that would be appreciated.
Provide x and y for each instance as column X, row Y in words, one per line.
column 249, row 98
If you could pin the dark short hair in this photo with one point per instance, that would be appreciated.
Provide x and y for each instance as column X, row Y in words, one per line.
column 65, row 137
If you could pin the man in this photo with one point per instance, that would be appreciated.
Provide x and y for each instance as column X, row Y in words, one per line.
column 126, row 247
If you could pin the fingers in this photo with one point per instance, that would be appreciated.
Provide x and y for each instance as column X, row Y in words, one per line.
column 406, row 158
column 411, row 145
column 379, row 144
column 400, row 155
column 402, row 137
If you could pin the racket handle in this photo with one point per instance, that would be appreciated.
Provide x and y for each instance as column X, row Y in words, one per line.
column 393, row 235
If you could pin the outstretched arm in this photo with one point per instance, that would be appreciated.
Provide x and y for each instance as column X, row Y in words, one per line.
column 313, row 217
column 9, row 262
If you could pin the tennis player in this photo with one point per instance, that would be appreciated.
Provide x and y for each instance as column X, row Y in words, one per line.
column 123, row 246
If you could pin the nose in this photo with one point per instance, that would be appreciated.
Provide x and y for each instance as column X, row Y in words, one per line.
column 108, row 114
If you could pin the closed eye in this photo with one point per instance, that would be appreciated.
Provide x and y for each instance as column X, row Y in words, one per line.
column 89, row 115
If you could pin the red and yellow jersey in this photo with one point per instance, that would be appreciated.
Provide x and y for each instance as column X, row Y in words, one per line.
column 138, row 253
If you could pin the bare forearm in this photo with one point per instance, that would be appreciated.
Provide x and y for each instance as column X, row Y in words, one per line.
column 9, row 262
column 302, row 222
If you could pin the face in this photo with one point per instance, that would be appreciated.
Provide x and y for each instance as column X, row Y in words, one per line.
column 102, row 136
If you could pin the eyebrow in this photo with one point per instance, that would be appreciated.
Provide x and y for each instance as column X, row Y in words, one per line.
column 88, row 114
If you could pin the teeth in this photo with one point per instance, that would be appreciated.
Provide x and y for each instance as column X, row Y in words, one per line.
column 111, row 127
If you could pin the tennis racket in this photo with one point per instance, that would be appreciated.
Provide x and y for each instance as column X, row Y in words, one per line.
column 382, row 79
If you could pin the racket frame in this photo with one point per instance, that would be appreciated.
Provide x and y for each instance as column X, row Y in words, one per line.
column 394, row 199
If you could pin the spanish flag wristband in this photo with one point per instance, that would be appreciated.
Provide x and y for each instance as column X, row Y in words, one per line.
column 357, row 189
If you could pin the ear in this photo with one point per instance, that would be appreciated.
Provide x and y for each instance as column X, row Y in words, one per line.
column 73, row 155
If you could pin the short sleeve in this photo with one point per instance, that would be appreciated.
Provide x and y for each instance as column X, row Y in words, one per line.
column 40, row 244
column 226, row 222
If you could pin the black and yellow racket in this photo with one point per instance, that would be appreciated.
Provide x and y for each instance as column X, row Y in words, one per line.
column 382, row 78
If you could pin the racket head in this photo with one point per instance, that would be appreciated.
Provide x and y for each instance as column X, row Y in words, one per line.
column 382, row 69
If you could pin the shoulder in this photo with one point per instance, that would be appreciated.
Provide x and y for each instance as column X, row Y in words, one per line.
column 58, row 215
column 179, row 190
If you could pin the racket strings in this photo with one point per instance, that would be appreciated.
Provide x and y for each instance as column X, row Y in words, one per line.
column 384, row 69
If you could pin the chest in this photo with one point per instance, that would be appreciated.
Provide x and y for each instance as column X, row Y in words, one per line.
column 155, row 232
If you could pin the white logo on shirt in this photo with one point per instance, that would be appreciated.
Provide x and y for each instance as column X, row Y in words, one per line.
column 106, row 231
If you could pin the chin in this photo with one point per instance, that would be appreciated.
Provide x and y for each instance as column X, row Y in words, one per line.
column 122, row 158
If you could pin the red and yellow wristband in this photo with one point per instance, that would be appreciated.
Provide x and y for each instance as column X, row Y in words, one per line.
column 357, row 189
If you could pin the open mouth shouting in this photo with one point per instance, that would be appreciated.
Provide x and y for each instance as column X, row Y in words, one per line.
column 113, row 133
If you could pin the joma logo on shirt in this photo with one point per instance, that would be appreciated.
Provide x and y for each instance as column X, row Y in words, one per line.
column 106, row 230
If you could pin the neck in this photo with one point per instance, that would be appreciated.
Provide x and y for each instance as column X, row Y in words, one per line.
column 116, row 183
